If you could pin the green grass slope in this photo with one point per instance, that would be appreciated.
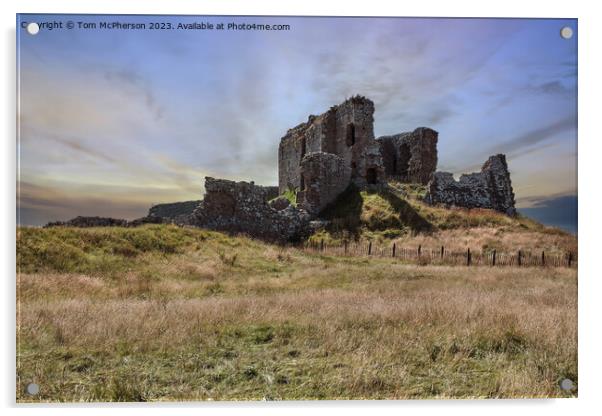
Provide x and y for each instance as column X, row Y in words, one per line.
column 399, row 214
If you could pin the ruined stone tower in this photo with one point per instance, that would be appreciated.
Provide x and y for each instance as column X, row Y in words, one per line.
column 318, row 159
column 410, row 157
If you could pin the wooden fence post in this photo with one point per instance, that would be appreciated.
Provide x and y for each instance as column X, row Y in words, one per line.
column 531, row 259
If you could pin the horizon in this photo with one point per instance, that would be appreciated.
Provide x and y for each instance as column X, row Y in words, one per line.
column 140, row 118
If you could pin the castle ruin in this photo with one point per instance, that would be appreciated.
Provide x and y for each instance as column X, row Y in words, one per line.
column 317, row 161
column 320, row 158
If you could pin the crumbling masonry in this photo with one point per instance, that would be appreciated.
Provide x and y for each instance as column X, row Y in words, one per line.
column 242, row 207
column 490, row 188
column 320, row 158
column 410, row 157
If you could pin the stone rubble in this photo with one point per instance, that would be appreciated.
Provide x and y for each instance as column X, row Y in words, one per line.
column 490, row 188
column 242, row 207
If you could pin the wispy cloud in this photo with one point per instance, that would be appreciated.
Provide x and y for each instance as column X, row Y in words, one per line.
column 134, row 83
column 39, row 204
column 78, row 146
column 519, row 144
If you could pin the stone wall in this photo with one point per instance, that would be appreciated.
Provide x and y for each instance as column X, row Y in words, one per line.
column 173, row 210
column 325, row 176
column 242, row 207
column 490, row 188
column 410, row 157
column 345, row 130
column 271, row 192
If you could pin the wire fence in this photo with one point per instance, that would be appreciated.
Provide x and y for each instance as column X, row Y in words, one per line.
column 443, row 256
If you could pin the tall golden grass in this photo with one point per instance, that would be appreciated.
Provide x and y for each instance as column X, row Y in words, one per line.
column 278, row 323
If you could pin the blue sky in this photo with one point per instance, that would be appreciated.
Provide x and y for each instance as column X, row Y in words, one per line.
column 112, row 121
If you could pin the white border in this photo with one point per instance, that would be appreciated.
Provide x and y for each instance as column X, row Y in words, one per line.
column 589, row 219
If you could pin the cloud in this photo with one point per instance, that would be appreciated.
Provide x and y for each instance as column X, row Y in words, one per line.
column 39, row 204
column 440, row 111
column 134, row 83
column 524, row 151
column 552, row 87
column 412, row 77
column 508, row 97
column 518, row 145
column 78, row 146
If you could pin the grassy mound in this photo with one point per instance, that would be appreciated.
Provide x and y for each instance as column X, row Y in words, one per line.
column 112, row 251
column 399, row 212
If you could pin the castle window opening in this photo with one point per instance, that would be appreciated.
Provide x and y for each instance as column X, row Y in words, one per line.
column 350, row 136
column 371, row 176
column 303, row 147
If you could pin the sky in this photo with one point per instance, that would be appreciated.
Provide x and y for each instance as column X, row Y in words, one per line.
column 113, row 121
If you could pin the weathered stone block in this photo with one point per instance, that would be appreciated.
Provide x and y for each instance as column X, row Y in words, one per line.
column 324, row 176
column 242, row 207
column 491, row 188
column 410, row 157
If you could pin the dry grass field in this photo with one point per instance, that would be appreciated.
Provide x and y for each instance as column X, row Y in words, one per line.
column 165, row 313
